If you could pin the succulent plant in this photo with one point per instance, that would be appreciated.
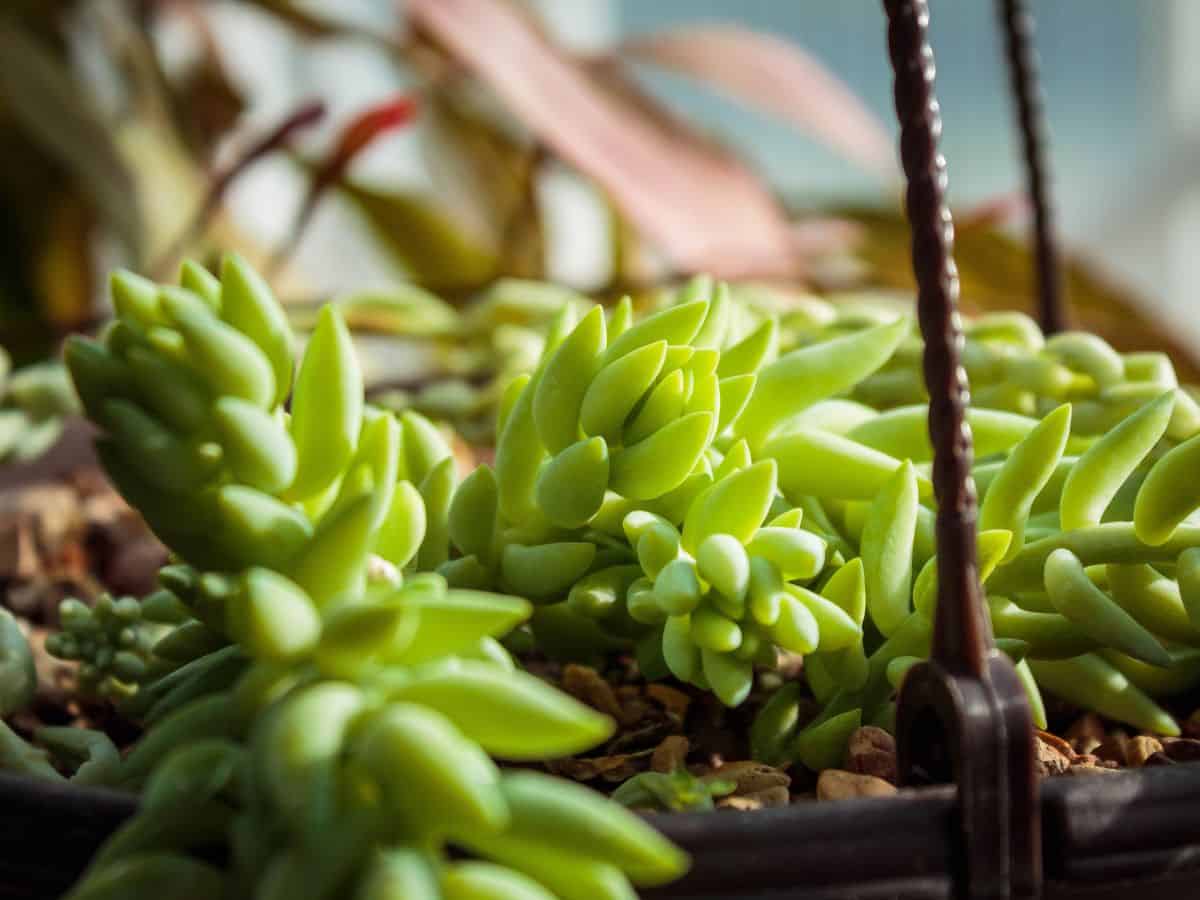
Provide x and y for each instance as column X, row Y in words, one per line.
column 714, row 484
column 322, row 705
column 34, row 401
column 673, row 485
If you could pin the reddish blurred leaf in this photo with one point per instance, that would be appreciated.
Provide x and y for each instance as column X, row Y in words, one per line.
column 703, row 208
column 770, row 74
column 276, row 139
column 359, row 134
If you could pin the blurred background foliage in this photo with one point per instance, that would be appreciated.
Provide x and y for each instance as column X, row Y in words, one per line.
column 451, row 144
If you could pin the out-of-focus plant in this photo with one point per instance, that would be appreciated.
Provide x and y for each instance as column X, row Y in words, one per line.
column 122, row 140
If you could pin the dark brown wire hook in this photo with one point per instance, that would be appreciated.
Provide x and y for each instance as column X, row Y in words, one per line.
column 963, row 714
column 1023, row 69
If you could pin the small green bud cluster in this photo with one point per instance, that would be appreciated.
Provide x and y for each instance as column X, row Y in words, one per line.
column 91, row 754
column 678, row 791
column 189, row 384
column 111, row 641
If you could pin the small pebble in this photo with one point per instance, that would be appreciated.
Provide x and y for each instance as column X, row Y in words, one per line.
column 752, row 776
column 872, row 751
column 1051, row 758
column 1140, row 749
column 764, row 799
column 837, row 784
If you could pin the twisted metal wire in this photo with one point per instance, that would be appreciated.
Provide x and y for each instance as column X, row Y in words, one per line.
column 961, row 630
column 1023, row 69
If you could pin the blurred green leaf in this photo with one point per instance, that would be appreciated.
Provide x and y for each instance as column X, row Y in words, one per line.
column 42, row 95
column 421, row 237
column 996, row 273
column 486, row 175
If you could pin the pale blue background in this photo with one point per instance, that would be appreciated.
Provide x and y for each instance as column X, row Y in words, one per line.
column 1094, row 68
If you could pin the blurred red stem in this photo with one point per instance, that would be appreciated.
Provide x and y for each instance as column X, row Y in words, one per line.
column 278, row 138
column 362, row 131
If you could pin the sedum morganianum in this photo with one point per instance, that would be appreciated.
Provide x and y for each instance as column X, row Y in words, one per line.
column 322, row 708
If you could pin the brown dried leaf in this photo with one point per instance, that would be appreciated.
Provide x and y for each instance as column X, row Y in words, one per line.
column 836, row 784
column 702, row 208
column 586, row 684
column 1051, row 758
column 770, row 74
column 675, row 702
column 613, row 769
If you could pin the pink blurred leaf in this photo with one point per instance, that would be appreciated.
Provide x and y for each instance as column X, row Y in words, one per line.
column 826, row 235
column 774, row 76
column 699, row 205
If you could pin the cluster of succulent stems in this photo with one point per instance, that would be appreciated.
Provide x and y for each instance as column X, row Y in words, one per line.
column 712, row 485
